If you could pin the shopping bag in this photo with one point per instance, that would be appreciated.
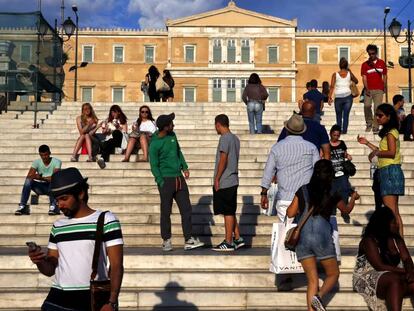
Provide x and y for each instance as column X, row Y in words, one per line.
column 271, row 196
column 283, row 261
column 335, row 237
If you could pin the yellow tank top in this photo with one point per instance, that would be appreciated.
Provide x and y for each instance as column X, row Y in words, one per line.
column 383, row 146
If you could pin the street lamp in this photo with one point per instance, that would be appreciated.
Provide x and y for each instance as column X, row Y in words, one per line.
column 386, row 11
column 395, row 30
column 75, row 96
column 69, row 27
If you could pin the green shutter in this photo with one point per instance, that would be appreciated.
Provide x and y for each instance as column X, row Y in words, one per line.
column 189, row 54
column 189, row 94
column 149, row 54
column 87, row 54
column 217, row 54
column 313, row 55
column 86, row 94
column 231, row 54
column 273, row 94
column 117, row 94
column 119, row 54
column 273, row 55
column 26, row 53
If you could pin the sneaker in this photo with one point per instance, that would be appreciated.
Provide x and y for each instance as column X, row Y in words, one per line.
column 368, row 128
column 192, row 243
column 53, row 210
column 224, row 247
column 238, row 243
column 23, row 209
column 167, row 245
column 317, row 303
column 101, row 163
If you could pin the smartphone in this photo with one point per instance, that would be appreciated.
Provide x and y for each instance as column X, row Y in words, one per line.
column 32, row 246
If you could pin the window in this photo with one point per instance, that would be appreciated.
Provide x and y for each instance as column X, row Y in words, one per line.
column 231, row 51
column 189, row 53
column 118, row 54
column 231, row 90
column 273, row 54
column 217, row 51
column 87, row 94
column 244, row 83
column 149, row 54
column 189, row 94
column 26, row 53
column 245, row 51
column 313, row 52
column 273, row 94
column 406, row 93
column 217, row 90
column 403, row 50
column 343, row 51
column 117, row 94
column 87, row 53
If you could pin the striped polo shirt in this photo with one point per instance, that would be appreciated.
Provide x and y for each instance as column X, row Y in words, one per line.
column 74, row 239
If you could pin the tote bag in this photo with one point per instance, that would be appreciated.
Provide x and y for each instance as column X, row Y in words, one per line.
column 161, row 85
column 283, row 261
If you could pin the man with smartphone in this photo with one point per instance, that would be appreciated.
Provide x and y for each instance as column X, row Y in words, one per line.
column 38, row 179
column 71, row 248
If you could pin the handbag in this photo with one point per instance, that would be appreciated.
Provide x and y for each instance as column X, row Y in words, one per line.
column 354, row 89
column 161, row 85
column 349, row 168
column 293, row 234
column 100, row 290
column 144, row 87
column 283, row 261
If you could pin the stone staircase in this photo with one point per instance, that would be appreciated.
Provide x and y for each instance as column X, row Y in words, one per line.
column 196, row 280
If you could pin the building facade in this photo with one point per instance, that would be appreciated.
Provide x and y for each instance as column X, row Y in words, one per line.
column 211, row 55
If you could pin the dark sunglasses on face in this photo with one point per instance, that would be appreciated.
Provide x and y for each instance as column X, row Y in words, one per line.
column 379, row 115
column 145, row 111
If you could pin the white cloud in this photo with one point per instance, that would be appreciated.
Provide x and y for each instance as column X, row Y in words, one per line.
column 153, row 14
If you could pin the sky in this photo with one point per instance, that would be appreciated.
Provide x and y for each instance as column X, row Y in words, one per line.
column 150, row 14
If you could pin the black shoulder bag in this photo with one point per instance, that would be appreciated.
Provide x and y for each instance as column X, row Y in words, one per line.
column 100, row 290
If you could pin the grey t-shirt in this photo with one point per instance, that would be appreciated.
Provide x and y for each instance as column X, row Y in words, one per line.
column 229, row 144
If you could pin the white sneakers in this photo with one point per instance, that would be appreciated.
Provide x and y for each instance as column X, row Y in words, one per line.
column 191, row 243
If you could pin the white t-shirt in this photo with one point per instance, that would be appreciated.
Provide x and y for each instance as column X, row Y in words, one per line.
column 74, row 238
column 147, row 126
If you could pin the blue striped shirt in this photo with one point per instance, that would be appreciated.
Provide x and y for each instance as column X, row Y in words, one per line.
column 293, row 157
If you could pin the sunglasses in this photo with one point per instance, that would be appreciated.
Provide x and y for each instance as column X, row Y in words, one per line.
column 379, row 115
column 145, row 111
column 372, row 54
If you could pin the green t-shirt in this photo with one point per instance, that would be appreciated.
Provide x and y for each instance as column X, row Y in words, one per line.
column 46, row 171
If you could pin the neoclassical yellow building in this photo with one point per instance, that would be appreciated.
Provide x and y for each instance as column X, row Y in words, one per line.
column 212, row 54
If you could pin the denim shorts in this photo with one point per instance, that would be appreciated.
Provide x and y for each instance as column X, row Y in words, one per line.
column 391, row 180
column 316, row 240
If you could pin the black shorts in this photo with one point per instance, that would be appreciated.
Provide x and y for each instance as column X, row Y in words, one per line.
column 225, row 201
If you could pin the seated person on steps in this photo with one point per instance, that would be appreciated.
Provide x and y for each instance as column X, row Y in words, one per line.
column 38, row 179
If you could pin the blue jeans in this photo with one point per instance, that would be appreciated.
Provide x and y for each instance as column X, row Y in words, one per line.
column 38, row 187
column 254, row 114
column 342, row 186
column 343, row 107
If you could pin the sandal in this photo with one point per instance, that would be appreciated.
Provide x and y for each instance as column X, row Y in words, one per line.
column 90, row 160
column 73, row 159
column 125, row 160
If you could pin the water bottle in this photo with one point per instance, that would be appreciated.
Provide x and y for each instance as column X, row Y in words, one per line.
column 372, row 169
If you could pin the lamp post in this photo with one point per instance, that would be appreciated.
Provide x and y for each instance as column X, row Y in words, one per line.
column 75, row 91
column 386, row 11
column 395, row 30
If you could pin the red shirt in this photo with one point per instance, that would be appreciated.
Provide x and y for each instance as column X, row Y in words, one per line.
column 374, row 72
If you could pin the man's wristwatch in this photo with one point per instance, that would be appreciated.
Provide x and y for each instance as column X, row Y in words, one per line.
column 114, row 305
